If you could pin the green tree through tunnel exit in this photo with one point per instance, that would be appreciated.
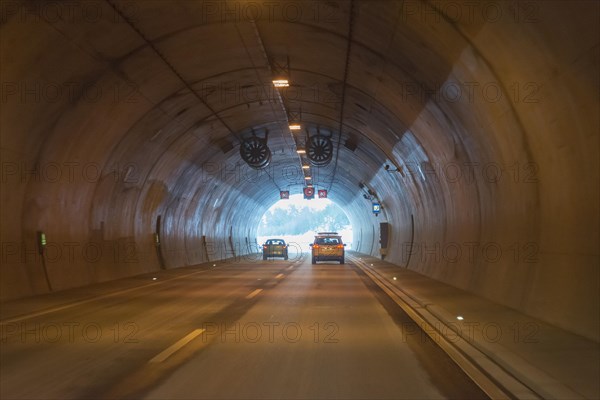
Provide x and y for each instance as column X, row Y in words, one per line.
column 298, row 220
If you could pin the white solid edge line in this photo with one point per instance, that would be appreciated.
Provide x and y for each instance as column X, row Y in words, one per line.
column 92, row 299
column 162, row 356
column 254, row 293
column 279, row 276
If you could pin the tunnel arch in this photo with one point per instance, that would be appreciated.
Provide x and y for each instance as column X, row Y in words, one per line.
column 526, row 162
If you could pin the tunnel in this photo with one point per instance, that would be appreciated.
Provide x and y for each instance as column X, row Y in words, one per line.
column 148, row 138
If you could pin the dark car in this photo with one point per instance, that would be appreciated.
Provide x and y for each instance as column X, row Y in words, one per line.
column 275, row 248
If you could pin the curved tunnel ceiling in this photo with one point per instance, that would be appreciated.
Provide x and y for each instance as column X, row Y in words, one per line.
column 490, row 119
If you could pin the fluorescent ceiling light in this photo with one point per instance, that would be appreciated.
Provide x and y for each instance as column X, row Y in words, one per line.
column 281, row 83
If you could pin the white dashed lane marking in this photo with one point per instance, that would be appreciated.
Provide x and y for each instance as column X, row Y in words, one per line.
column 254, row 293
column 176, row 346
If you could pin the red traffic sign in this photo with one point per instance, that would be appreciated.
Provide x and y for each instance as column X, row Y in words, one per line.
column 322, row 193
column 284, row 194
column 309, row 192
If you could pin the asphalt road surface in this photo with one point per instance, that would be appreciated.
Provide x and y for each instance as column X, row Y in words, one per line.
column 243, row 330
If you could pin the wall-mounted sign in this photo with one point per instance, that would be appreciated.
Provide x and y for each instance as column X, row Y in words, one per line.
column 322, row 193
column 376, row 207
column 284, row 194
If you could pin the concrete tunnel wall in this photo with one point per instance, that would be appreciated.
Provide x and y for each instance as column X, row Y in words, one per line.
column 94, row 173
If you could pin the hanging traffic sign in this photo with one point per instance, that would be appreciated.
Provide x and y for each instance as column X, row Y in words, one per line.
column 284, row 194
column 309, row 193
column 322, row 193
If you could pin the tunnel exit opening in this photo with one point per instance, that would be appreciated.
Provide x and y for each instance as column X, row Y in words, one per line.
column 297, row 220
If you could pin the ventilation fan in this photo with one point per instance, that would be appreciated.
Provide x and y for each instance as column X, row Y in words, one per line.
column 319, row 150
column 255, row 152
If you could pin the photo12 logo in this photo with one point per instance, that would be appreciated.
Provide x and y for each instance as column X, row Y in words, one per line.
column 67, row 332
column 70, row 252
column 470, row 12
column 49, row 92
column 68, row 172
column 470, row 252
column 305, row 11
column 472, row 172
column 54, row 11
column 472, row 332
column 270, row 332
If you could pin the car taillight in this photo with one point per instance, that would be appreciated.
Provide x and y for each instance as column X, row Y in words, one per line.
column 265, row 246
column 315, row 246
column 340, row 246
column 284, row 247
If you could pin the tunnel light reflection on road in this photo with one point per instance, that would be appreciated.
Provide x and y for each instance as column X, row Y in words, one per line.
column 460, row 318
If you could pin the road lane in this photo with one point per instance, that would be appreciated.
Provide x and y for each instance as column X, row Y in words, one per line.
column 325, row 331
column 81, row 351
column 274, row 329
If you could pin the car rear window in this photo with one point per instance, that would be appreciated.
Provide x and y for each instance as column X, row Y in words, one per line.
column 328, row 241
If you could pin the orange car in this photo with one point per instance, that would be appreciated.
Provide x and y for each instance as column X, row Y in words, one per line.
column 328, row 246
